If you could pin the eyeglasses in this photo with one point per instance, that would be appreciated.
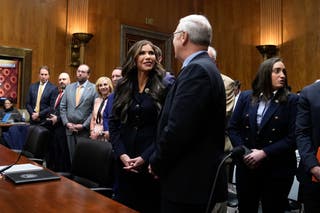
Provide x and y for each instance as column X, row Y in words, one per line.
column 180, row 31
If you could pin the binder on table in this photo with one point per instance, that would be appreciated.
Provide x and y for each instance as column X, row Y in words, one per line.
column 28, row 173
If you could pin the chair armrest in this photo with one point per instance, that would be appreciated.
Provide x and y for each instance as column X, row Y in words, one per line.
column 65, row 174
column 37, row 160
column 104, row 191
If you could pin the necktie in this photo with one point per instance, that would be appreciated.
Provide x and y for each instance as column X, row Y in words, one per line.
column 78, row 94
column 40, row 91
column 58, row 99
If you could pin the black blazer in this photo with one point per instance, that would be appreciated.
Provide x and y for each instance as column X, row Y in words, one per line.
column 308, row 130
column 190, row 136
column 48, row 98
column 276, row 134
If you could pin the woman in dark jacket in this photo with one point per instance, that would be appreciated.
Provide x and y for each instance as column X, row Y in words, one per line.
column 139, row 96
column 264, row 121
column 14, row 115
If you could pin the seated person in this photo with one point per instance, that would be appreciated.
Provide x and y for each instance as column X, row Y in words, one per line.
column 14, row 115
column 8, row 114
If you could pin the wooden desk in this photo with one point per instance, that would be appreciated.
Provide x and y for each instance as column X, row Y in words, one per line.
column 53, row 196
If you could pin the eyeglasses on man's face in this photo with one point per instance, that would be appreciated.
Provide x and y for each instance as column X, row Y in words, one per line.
column 180, row 31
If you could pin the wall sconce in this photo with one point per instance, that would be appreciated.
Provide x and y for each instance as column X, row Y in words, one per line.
column 267, row 51
column 78, row 42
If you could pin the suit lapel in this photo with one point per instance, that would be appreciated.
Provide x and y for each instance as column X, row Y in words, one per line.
column 253, row 118
column 45, row 89
column 270, row 111
column 74, row 90
column 84, row 94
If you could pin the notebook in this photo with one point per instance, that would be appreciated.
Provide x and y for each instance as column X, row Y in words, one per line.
column 31, row 176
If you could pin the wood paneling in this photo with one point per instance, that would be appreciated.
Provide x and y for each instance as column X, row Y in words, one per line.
column 105, row 23
column 41, row 25
column 236, row 32
column 301, row 41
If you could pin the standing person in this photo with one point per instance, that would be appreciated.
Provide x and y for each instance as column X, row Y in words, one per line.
column 308, row 142
column 169, row 76
column 228, row 84
column 103, row 87
column 237, row 91
column 115, row 77
column 136, row 107
column 264, row 122
column 230, row 99
column 58, row 154
column 76, row 107
column 188, row 150
column 41, row 97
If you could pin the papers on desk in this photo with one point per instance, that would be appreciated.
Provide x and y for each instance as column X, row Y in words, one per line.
column 21, row 168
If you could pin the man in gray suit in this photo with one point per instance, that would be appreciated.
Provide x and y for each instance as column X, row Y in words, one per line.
column 76, row 107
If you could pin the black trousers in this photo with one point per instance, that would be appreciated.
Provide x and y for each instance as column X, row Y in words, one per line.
column 257, row 185
column 310, row 197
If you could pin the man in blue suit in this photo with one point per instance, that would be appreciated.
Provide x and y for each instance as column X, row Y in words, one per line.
column 41, row 97
column 188, row 149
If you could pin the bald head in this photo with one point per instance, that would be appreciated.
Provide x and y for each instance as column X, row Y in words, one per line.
column 64, row 80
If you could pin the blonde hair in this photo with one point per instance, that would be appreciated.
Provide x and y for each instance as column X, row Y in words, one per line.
column 100, row 80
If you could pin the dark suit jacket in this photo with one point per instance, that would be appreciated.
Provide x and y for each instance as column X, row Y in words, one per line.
column 190, row 138
column 308, row 129
column 107, row 112
column 48, row 98
column 276, row 135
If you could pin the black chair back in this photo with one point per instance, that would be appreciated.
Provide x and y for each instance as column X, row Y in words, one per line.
column 93, row 160
column 37, row 142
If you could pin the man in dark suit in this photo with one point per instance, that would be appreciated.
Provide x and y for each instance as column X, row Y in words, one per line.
column 41, row 97
column 188, row 150
column 308, row 142
column 58, row 154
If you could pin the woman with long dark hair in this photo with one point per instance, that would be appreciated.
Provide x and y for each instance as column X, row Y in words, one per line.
column 264, row 121
column 139, row 96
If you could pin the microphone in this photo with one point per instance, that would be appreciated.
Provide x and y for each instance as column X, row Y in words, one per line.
column 236, row 152
column 9, row 166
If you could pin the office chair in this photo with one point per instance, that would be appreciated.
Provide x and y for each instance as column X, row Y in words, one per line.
column 92, row 166
column 36, row 144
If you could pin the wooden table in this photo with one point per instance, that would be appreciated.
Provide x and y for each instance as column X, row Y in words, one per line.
column 53, row 196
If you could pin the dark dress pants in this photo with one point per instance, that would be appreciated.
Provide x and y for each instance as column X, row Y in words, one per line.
column 310, row 197
column 255, row 185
